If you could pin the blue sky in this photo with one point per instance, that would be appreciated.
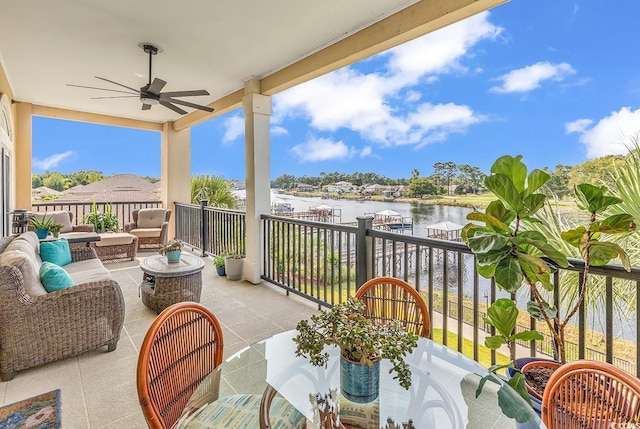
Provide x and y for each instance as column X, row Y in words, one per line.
column 554, row 80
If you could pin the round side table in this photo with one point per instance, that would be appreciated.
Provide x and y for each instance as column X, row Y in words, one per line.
column 164, row 284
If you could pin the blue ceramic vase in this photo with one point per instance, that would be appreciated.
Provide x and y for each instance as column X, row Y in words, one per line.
column 359, row 383
column 42, row 233
column 173, row 256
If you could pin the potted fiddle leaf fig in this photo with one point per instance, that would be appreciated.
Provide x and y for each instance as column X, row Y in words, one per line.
column 515, row 257
column 362, row 344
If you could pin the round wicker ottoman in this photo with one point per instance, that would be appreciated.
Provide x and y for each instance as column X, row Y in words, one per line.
column 164, row 284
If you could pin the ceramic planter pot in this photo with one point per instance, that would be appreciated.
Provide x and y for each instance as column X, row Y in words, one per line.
column 359, row 383
column 173, row 256
column 221, row 271
column 520, row 364
column 536, row 364
column 233, row 267
column 42, row 233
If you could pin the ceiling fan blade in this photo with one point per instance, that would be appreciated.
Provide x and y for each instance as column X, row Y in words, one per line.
column 119, row 84
column 118, row 96
column 146, row 106
column 184, row 93
column 101, row 89
column 156, row 86
column 172, row 107
column 186, row 103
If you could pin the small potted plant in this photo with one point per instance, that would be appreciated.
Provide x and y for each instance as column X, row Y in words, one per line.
column 362, row 344
column 233, row 264
column 218, row 262
column 41, row 226
column 172, row 250
column 55, row 230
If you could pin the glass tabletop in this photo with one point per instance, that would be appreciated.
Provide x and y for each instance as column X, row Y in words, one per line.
column 442, row 392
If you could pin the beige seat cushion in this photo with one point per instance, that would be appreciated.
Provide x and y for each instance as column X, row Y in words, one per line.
column 151, row 218
column 146, row 232
column 59, row 217
column 90, row 270
column 114, row 239
column 27, row 267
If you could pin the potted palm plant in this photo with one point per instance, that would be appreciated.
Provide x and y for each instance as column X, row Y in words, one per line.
column 362, row 344
column 515, row 257
column 102, row 222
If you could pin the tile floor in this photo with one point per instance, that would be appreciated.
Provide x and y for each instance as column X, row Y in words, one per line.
column 99, row 388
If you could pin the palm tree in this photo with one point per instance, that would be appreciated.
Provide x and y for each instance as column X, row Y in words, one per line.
column 215, row 189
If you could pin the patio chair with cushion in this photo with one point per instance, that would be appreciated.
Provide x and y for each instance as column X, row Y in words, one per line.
column 183, row 346
column 64, row 218
column 590, row 394
column 150, row 226
column 388, row 298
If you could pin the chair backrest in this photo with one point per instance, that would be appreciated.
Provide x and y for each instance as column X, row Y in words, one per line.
column 150, row 218
column 590, row 394
column 183, row 345
column 388, row 298
column 61, row 217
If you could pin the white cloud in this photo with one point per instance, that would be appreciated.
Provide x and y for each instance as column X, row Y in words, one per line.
column 529, row 78
column 277, row 130
column 234, row 128
column 321, row 149
column 51, row 161
column 366, row 151
column 361, row 102
column 610, row 134
column 577, row 126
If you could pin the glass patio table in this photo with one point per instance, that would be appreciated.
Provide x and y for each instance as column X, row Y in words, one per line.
column 442, row 392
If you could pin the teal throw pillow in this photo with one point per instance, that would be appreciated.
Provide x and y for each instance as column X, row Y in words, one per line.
column 56, row 251
column 54, row 277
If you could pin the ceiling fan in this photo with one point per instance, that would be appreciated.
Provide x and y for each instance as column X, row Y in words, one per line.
column 151, row 94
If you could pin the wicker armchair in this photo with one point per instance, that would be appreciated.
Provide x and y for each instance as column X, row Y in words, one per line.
column 58, row 325
column 590, row 394
column 150, row 226
column 388, row 298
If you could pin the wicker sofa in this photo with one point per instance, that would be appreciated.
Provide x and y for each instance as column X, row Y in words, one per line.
column 37, row 328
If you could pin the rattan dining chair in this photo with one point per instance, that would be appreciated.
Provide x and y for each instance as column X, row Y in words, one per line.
column 588, row 394
column 183, row 346
column 388, row 298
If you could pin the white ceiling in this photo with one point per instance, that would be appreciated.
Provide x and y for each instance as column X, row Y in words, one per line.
column 207, row 44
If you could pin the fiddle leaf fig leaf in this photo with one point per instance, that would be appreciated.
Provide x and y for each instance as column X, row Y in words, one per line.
column 534, row 310
column 499, row 211
column 574, row 236
column 503, row 314
column 493, row 257
column 508, row 275
column 484, row 242
column 505, row 190
column 511, row 406
column 547, row 249
column 536, row 179
column 601, row 253
column 486, row 271
column 533, row 202
column 535, row 269
column 615, row 224
column 494, row 342
column 512, row 168
column 527, row 336
column 491, row 221
column 593, row 198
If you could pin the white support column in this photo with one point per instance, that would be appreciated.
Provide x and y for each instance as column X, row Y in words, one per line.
column 257, row 111
column 175, row 172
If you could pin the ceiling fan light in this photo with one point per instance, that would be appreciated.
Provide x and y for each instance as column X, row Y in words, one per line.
column 146, row 100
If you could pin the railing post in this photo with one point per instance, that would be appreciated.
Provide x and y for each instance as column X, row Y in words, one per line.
column 364, row 250
column 204, row 227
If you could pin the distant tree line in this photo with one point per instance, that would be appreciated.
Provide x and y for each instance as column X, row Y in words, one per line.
column 449, row 178
column 61, row 182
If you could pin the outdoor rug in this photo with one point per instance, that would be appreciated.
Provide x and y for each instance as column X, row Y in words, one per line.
column 40, row 412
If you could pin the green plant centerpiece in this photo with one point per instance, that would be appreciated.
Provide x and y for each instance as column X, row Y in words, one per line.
column 102, row 222
column 360, row 339
column 41, row 226
column 515, row 257
column 218, row 260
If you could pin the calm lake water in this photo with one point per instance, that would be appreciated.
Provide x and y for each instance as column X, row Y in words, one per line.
column 421, row 215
